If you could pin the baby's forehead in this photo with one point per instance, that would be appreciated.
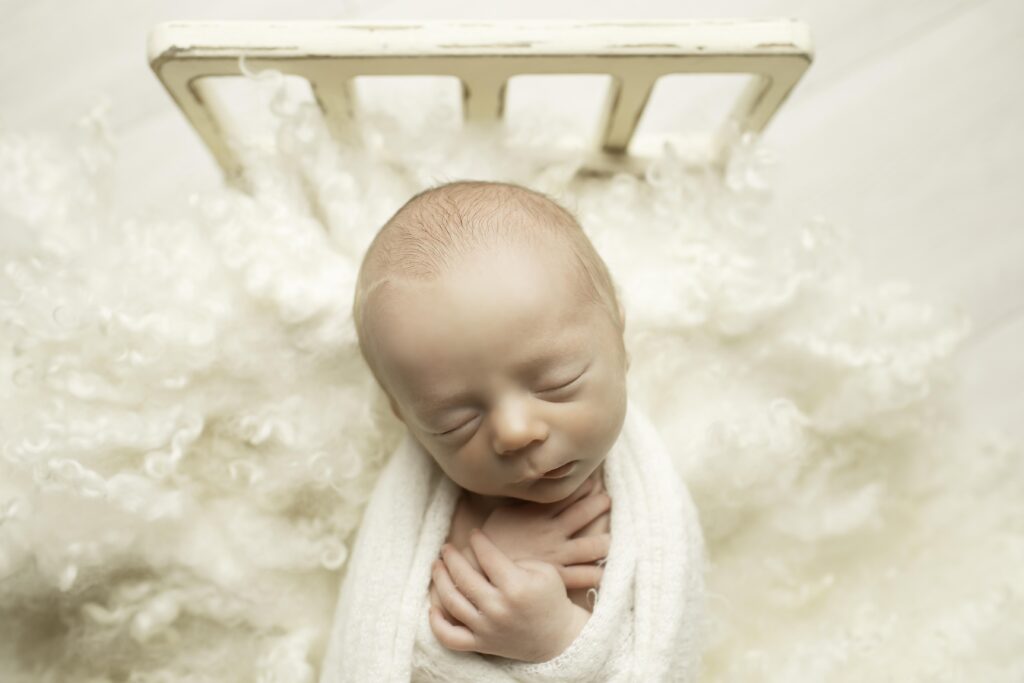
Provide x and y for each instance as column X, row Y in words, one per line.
column 417, row 334
column 421, row 256
column 515, row 288
column 506, row 273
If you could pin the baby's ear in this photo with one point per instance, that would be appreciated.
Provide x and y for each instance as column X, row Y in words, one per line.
column 394, row 408
column 622, row 333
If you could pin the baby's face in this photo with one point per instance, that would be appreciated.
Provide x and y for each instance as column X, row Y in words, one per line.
column 503, row 373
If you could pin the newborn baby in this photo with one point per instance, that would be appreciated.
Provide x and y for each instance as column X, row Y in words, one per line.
column 493, row 327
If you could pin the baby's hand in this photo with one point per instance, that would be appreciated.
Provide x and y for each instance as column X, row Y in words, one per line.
column 518, row 610
column 535, row 531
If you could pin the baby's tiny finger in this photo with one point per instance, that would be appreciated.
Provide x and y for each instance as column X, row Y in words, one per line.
column 471, row 583
column 452, row 637
column 581, row 576
column 497, row 566
column 452, row 600
column 599, row 525
column 587, row 549
column 435, row 601
column 583, row 512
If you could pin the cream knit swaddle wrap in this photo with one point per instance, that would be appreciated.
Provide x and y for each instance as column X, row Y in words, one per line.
column 647, row 622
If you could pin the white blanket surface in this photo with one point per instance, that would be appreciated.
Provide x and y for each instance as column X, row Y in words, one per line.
column 646, row 624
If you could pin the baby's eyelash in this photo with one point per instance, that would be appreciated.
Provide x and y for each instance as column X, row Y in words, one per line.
column 566, row 385
column 454, row 429
column 560, row 387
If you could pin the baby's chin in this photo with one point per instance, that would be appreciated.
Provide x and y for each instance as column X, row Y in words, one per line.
column 555, row 490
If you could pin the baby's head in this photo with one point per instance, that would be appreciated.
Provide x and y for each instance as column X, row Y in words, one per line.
column 493, row 326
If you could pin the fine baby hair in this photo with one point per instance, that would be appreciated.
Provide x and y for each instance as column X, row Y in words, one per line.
column 440, row 225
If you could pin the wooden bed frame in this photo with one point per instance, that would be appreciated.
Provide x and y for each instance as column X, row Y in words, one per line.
column 484, row 56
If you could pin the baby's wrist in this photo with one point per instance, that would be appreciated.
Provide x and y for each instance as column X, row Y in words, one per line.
column 577, row 620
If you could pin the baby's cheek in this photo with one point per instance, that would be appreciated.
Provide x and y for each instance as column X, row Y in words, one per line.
column 467, row 466
column 594, row 426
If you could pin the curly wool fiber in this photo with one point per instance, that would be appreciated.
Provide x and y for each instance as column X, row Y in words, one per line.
column 188, row 435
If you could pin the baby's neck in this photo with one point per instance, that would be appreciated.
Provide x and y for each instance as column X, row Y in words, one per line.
column 485, row 505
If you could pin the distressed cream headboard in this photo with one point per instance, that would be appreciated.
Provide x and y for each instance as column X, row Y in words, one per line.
column 484, row 56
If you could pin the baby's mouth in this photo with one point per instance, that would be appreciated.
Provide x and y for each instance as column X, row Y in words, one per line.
column 562, row 471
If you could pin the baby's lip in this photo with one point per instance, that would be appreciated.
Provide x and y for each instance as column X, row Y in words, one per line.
column 561, row 471
column 558, row 472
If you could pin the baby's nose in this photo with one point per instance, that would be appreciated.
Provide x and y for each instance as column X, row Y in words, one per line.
column 515, row 428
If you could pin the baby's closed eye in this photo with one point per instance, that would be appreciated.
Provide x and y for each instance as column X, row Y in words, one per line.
column 564, row 386
column 560, row 389
column 453, row 430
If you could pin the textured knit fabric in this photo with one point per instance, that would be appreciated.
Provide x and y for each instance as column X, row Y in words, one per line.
column 646, row 624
